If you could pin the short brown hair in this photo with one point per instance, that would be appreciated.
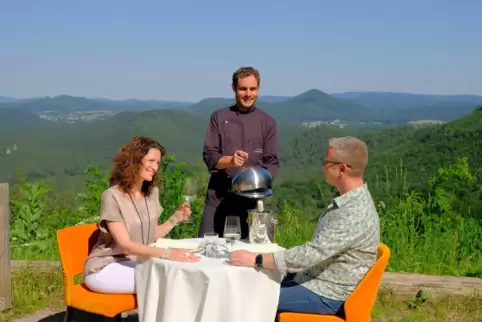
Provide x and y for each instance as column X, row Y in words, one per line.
column 127, row 162
column 351, row 151
column 245, row 72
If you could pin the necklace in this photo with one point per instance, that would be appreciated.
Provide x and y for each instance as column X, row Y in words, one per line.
column 140, row 219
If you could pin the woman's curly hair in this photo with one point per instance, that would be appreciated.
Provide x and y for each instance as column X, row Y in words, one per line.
column 128, row 161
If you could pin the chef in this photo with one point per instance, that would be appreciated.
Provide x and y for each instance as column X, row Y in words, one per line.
column 238, row 136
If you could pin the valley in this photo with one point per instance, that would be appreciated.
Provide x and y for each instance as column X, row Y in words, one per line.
column 47, row 149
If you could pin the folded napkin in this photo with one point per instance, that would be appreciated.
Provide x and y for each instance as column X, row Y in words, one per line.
column 177, row 243
column 259, row 248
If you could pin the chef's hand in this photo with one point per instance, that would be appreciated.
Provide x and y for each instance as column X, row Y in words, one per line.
column 239, row 158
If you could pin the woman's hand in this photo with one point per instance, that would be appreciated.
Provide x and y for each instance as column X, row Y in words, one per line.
column 181, row 255
column 181, row 213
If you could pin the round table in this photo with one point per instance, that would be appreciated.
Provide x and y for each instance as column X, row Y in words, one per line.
column 210, row 290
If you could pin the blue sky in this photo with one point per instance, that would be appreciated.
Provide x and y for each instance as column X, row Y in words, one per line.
column 188, row 50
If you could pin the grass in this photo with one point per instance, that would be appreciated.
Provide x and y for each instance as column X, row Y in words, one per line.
column 450, row 309
column 420, row 241
column 33, row 290
column 34, row 253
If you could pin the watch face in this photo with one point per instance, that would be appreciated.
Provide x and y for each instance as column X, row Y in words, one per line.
column 259, row 260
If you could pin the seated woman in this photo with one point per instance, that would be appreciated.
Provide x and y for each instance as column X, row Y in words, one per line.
column 129, row 216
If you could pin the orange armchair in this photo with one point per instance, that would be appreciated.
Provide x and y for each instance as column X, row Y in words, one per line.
column 359, row 304
column 75, row 244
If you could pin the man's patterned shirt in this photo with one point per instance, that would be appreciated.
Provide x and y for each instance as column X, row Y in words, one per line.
column 342, row 250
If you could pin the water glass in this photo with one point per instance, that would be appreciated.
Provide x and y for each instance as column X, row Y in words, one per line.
column 211, row 244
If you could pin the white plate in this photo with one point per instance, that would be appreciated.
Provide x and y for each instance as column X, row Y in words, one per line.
column 179, row 243
column 197, row 250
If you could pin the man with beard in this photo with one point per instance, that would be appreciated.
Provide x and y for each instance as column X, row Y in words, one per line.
column 238, row 136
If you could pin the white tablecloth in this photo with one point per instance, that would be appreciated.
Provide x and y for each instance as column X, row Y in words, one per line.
column 210, row 290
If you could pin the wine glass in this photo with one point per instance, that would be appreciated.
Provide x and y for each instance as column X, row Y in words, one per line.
column 189, row 194
column 232, row 230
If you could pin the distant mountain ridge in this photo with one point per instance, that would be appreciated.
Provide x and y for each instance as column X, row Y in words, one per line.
column 315, row 105
column 272, row 98
column 310, row 106
column 71, row 104
column 4, row 99
column 404, row 101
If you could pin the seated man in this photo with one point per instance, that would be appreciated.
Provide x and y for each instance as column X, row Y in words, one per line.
column 344, row 244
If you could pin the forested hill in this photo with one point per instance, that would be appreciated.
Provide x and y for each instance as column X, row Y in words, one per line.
column 422, row 151
column 10, row 117
column 65, row 150
column 440, row 163
column 47, row 149
column 61, row 152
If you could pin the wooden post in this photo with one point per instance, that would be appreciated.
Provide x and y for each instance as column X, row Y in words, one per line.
column 5, row 277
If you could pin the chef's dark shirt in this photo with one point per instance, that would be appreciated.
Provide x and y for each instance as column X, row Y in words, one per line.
column 230, row 129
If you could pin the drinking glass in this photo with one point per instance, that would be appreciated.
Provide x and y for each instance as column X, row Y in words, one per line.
column 232, row 230
column 210, row 244
column 189, row 194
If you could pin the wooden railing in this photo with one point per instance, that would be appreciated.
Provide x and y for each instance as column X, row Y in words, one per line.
column 401, row 285
column 5, row 276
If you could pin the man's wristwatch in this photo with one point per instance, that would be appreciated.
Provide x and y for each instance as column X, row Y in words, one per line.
column 259, row 260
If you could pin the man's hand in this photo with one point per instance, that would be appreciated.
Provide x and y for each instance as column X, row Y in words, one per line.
column 239, row 158
column 242, row 258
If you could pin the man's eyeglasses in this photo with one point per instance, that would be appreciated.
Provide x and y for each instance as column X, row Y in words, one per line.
column 325, row 162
